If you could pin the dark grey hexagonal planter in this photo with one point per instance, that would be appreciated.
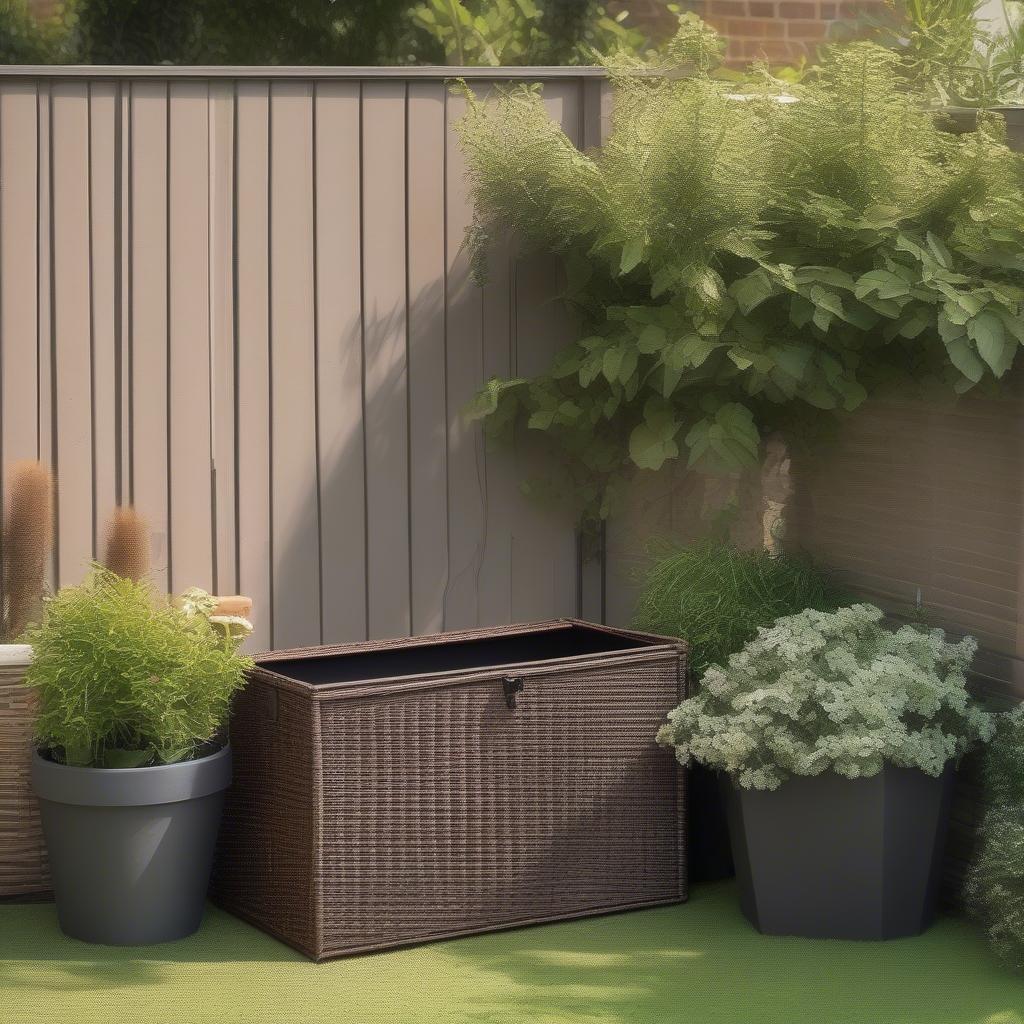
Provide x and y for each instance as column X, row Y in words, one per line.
column 830, row 857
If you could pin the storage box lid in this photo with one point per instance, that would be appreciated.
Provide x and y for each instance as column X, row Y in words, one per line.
column 528, row 647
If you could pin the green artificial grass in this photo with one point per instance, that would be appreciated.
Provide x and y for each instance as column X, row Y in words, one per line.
column 698, row 962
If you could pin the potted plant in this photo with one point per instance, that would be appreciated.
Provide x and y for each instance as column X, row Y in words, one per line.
column 132, row 761
column 959, row 59
column 716, row 596
column 837, row 739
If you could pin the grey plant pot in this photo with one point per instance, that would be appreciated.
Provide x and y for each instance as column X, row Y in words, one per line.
column 131, row 848
column 830, row 857
column 965, row 118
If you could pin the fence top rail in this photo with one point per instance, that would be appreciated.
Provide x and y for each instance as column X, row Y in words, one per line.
column 169, row 71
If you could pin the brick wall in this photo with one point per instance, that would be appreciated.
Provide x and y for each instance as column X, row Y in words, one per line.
column 42, row 8
column 780, row 31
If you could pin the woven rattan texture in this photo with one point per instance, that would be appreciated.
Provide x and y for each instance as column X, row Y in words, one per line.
column 24, row 870
column 397, row 816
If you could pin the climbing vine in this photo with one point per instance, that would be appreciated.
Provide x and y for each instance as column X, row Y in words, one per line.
column 747, row 265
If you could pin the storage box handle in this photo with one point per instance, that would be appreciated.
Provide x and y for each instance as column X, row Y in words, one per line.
column 511, row 686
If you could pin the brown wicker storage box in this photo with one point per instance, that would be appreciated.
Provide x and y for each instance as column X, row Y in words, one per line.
column 393, row 792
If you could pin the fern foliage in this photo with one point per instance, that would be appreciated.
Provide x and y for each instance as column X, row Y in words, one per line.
column 743, row 263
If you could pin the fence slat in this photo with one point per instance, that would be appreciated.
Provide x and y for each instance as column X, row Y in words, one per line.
column 44, row 292
column 149, row 312
column 222, row 333
column 19, row 425
column 543, row 549
column 189, row 484
column 252, row 337
column 293, row 484
column 72, row 341
column 340, row 363
column 386, row 370
column 428, row 427
column 103, row 114
column 466, row 511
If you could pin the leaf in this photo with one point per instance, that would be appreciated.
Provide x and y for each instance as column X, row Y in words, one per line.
column 696, row 349
column 826, row 275
column 127, row 758
column 750, row 291
column 800, row 311
column 541, row 419
column 792, row 359
column 949, row 330
column 611, row 363
column 627, row 366
column 1014, row 324
column 824, row 299
column 731, row 437
column 652, row 442
column 174, row 756
column 939, row 250
column 987, row 332
column 648, row 449
column 77, row 754
column 651, row 339
column 962, row 356
column 883, row 282
column 853, row 393
column 632, row 254
column 485, row 401
column 820, row 398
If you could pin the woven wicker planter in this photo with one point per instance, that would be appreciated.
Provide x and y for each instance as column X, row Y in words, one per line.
column 24, row 870
column 395, row 792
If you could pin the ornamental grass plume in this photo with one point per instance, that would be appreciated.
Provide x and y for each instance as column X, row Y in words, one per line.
column 27, row 542
column 127, row 551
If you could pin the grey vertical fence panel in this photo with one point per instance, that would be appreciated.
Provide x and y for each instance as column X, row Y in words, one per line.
column 252, row 345
column 240, row 300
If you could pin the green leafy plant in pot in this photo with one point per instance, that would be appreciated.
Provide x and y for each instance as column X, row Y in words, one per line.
column 837, row 739
column 132, row 762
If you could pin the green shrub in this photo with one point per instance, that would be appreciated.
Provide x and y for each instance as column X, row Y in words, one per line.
column 831, row 691
column 740, row 267
column 509, row 32
column 25, row 40
column 995, row 883
column 126, row 679
column 716, row 597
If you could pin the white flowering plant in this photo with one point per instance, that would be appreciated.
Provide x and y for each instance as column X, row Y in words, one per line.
column 831, row 691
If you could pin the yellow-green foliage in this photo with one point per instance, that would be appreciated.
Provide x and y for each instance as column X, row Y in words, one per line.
column 995, row 884
column 125, row 678
column 749, row 265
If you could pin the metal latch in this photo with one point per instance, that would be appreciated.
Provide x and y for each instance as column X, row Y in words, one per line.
column 512, row 685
